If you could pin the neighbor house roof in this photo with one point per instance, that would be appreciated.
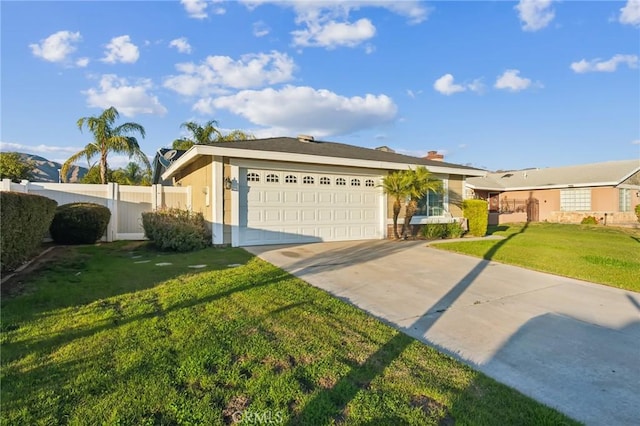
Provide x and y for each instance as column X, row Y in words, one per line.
column 608, row 173
column 157, row 167
column 319, row 152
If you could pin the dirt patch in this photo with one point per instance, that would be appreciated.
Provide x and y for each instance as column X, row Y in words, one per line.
column 233, row 411
column 13, row 282
column 433, row 408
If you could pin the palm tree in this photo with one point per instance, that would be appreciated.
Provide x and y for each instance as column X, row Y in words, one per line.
column 236, row 135
column 108, row 139
column 420, row 183
column 200, row 134
column 397, row 185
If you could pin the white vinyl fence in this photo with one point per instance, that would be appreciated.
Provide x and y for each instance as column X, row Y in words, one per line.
column 127, row 203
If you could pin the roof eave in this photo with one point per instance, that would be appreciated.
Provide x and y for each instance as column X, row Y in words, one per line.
column 198, row 150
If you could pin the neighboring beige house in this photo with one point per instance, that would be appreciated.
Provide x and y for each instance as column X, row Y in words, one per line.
column 294, row 190
column 608, row 191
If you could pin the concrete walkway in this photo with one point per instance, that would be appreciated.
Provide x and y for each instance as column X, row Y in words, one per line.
column 570, row 344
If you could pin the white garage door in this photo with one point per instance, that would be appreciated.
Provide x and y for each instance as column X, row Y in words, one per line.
column 279, row 207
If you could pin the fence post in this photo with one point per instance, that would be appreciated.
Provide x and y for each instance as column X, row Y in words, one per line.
column 159, row 196
column 154, row 198
column 188, row 203
column 6, row 185
column 25, row 184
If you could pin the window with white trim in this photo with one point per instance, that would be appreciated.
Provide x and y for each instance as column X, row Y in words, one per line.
column 432, row 204
column 341, row 182
column 290, row 179
column 624, row 200
column 308, row 180
column 253, row 177
column 369, row 183
column 272, row 178
column 325, row 181
column 355, row 182
column 575, row 200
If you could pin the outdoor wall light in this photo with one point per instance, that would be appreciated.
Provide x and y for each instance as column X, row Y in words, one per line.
column 227, row 183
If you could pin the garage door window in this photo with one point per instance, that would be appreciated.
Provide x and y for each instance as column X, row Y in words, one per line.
column 369, row 183
column 308, row 180
column 290, row 179
column 253, row 177
column 325, row 181
column 355, row 182
column 341, row 182
column 271, row 178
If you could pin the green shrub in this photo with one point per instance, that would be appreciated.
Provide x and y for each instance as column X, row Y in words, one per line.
column 477, row 214
column 589, row 220
column 79, row 223
column 454, row 230
column 638, row 212
column 24, row 220
column 176, row 230
column 433, row 231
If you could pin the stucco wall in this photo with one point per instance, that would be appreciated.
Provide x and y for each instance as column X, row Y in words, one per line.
column 227, row 204
column 198, row 176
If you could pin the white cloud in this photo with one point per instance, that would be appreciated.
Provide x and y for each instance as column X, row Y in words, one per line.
column 37, row 149
column 630, row 13
column 535, row 14
column 334, row 34
column 610, row 65
column 218, row 73
column 57, row 47
column 129, row 99
column 511, row 81
column 293, row 110
column 260, row 29
column 82, row 62
column 327, row 23
column 635, row 142
column 195, row 8
column 446, row 86
column 120, row 49
column 182, row 44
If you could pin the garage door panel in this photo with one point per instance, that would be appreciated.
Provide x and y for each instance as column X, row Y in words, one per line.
column 308, row 197
column 271, row 196
column 314, row 208
column 325, row 198
column 270, row 215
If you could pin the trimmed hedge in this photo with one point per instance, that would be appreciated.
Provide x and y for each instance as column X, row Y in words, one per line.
column 24, row 221
column 477, row 214
column 176, row 230
column 589, row 220
column 79, row 223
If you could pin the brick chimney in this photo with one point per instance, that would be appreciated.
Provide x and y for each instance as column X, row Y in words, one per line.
column 433, row 155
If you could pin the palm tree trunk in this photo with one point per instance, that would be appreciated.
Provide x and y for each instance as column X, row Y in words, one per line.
column 412, row 207
column 103, row 166
column 396, row 213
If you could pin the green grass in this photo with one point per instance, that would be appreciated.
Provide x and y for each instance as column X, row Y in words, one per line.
column 599, row 254
column 98, row 339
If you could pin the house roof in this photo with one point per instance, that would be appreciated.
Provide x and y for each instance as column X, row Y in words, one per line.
column 321, row 152
column 584, row 175
column 157, row 166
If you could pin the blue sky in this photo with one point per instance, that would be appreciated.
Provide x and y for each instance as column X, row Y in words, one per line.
column 496, row 85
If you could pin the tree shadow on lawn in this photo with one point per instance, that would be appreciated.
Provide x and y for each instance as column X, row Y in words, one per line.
column 329, row 405
column 50, row 342
column 74, row 276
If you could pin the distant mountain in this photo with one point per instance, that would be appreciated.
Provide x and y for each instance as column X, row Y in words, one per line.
column 47, row 171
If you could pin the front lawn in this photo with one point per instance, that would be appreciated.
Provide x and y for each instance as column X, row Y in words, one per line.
column 116, row 334
column 599, row 254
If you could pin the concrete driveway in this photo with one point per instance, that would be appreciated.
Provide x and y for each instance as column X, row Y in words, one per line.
column 570, row 344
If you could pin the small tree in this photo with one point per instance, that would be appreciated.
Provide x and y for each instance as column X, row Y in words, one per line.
column 638, row 212
column 396, row 185
column 421, row 182
column 14, row 167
